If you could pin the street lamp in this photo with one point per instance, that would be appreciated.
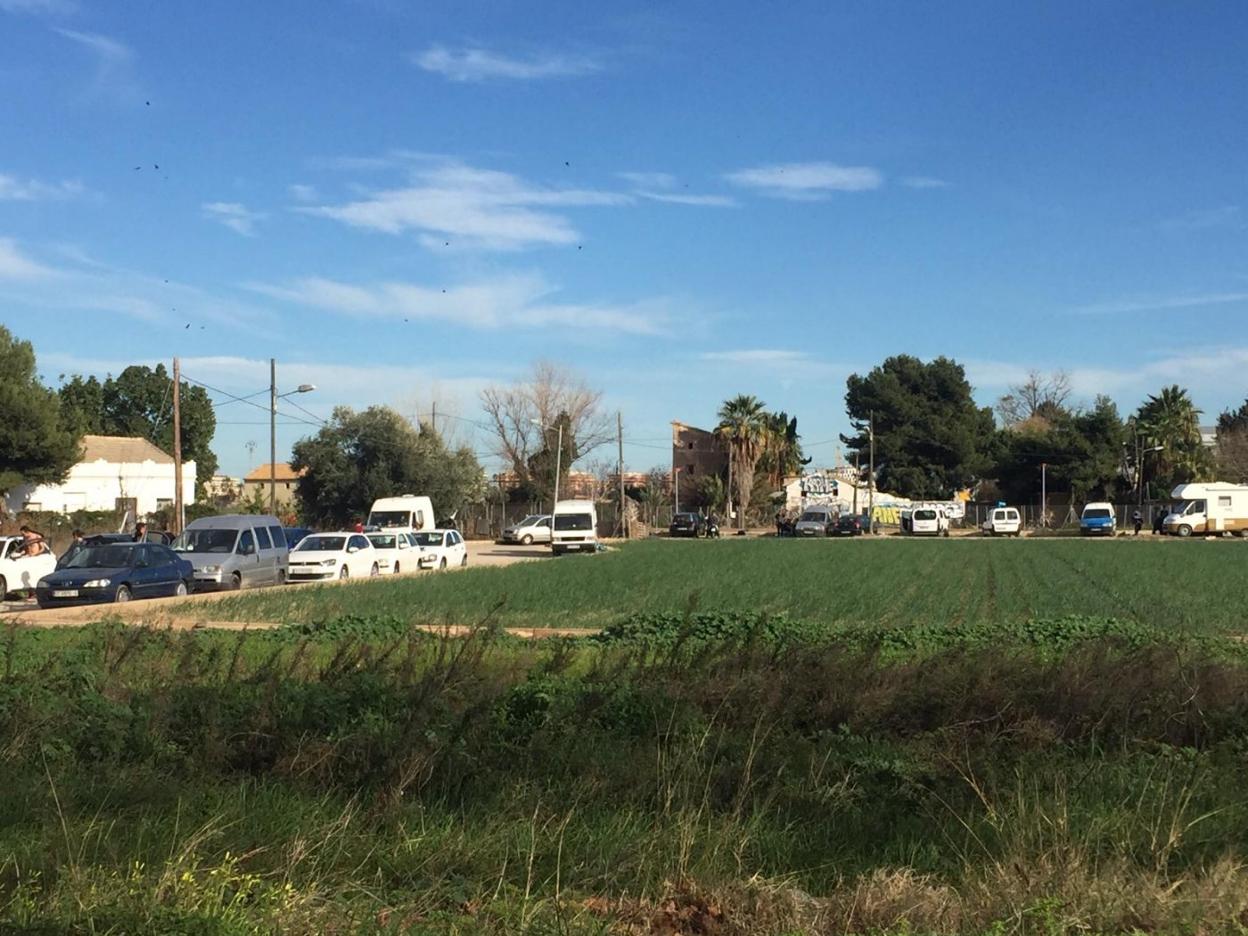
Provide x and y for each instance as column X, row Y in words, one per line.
column 273, row 398
column 558, row 459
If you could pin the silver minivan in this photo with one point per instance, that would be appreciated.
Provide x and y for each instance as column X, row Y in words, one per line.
column 235, row 551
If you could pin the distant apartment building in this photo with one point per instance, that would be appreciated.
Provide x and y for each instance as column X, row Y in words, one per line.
column 696, row 453
column 260, row 478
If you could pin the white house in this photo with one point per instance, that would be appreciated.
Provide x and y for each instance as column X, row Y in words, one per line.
column 114, row 474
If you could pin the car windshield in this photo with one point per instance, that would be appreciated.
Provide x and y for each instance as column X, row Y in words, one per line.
column 383, row 541
column 812, row 516
column 102, row 557
column 429, row 539
column 390, row 518
column 1097, row 513
column 925, row 515
column 321, row 544
column 205, row 541
column 574, row 522
column 1193, row 507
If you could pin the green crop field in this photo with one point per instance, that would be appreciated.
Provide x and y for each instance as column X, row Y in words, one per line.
column 1181, row 585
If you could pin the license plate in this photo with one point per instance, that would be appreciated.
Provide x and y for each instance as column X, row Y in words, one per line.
column 66, row 593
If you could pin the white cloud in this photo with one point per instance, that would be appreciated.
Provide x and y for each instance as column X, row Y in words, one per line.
column 114, row 71
column 518, row 301
column 303, row 193
column 14, row 265
column 764, row 356
column 923, row 182
column 476, row 64
column 1160, row 303
column 1203, row 219
column 457, row 205
column 234, row 216
column 14, row 189
column 49, row 7
column 661, row 187
column 806, row 181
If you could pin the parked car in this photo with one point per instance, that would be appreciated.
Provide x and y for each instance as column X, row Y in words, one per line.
column 534, row 528
column 441, row 548
column 929, row 521
column 395, row 551
column 294, row 535
column 816, row 521
column 1002, row 521
column 848, row 524
column 1098, row 519
column 235, row 551
column 108, row 572
column 341, row 555
column 19, row 572
column 686, row 524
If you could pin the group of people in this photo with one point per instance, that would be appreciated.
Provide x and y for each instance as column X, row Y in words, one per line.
column 35, row 543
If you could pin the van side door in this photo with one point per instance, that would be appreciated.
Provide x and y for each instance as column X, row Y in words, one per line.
column 248, row 560
column 266, row 554
column 281, row 552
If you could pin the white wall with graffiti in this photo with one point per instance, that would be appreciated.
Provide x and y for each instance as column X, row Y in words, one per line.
column 836, row 487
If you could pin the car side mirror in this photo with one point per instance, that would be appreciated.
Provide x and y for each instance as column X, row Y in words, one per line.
column 352, row 549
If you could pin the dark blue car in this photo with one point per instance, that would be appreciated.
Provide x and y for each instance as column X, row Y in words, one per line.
column 116, row 572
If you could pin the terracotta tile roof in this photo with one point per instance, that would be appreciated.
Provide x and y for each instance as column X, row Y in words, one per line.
column 284, row 473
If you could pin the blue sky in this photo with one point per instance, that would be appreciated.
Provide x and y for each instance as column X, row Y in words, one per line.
column 406, row 202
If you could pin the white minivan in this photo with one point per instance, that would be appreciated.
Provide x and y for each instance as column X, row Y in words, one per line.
column 1003, row 521
column 574, row 527
column 408, row 512
column 929, row 521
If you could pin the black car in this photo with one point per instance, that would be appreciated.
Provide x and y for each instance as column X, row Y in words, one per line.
column 686, row 524
column 106, row 572
column 294, row 535
column 848, row 525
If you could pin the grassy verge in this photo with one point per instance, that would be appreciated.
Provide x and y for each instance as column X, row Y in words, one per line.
column 733, row 779
column 1179, row 586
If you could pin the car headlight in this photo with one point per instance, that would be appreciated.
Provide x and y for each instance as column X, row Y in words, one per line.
column 211, row 569
column 329, row 562
column 97, row 583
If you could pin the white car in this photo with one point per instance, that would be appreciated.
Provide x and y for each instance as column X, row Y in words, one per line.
column 1003, row 521
column 534, row 528
column 441, row 548
column 929, row 521
column 395, row 552
column 322, row 556
column 19, row 572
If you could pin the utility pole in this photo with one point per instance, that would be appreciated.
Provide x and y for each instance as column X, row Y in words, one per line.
column 857, row 480
column 558, row 468
column 273, row 436
column 433, row 417
column 177, row 446
column 730, row 483
column 619, row 435
column 871, row 475
column 1044, row 494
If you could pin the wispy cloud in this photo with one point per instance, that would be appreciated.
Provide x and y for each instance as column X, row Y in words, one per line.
column 44, row 7
column 15, row 265
column 14, row 189
column 1160, row 303
column 765, row 356
column 303, row 193
column 478, row 64
column 661, row 187
column 454, row 205
column 923, row 182
column 809, row 181
column 234, row 216
column 1204, row 219
column 517, row 301
column 114, row 64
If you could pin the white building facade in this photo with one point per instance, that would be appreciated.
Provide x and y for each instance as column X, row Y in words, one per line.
column 115, row 474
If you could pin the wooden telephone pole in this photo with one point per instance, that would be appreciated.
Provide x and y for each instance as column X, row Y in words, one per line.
column 177, row 447
column 619, row 436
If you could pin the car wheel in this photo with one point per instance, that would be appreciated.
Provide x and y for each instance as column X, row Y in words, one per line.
column 374, row 571
column 396, row 568
column 1185, row 530
column 236, row 581
column 180, row 591
column 4, row 587
column 123, row 594
column 527, row 541
column 345, row 573
column 281, row 576
column 463, row 562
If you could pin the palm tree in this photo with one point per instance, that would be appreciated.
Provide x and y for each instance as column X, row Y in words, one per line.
column 782, row 450
column 1170, row 419
column 743, row 428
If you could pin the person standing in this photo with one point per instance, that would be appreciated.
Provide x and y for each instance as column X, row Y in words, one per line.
column 140, row 532
column 33, row 543
column 1137, row 521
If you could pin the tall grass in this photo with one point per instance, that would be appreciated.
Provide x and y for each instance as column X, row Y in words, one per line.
column 1184, row 586
column 159, row 782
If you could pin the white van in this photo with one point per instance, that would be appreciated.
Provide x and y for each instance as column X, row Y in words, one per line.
column 1003, row 521
column 1218, row 507
column 575, row 527
column 408, row 513
column 235, row 551
column 929, row 521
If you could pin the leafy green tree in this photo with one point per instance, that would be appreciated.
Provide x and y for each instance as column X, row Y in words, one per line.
column 743, row 427
column 138, row 402
column 37, row 445
column 931, row 439
column 1171, row 420
column 782, row 448
column 358, row 457
column 1082, row 452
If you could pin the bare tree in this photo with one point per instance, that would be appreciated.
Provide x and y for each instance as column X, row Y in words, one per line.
column 1038, row 395
column 1232, row 455
column 518, row 413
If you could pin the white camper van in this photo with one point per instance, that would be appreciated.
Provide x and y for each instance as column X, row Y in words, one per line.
column 407, row 513
column 575, row 527
column 1217, row 507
